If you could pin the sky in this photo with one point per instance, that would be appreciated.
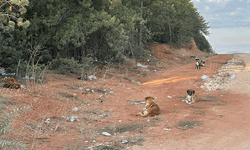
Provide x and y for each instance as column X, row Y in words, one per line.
column 229, row 22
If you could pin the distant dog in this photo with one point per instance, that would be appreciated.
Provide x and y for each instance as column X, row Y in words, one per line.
column 197, row 64
column 151, row 110
column 11, row 83
column 202, row 63
column 191, row 98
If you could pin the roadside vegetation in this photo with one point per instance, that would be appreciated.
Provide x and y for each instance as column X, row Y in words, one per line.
column 93, row 31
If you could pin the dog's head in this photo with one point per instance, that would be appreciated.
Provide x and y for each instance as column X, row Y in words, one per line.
column 149, row 98
column 203, row 61
column 190, row 92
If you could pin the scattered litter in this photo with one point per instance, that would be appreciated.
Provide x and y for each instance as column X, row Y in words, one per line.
column 204, row 77
column 80, row 88
column 140, row 65
column 92, row 77
column 167, row 129
column 94, row 141
column 75, row 109
column 119, row 120
column 111, row 92
column 56, row 127
column 92, row 91
column 2, row 72
column 128, row 88
column 73, row 118
column 100, row 95
column 221, row 95
column 87, row 89
column 232, row 76
column 143, row 102
column 169, row 96
column 111, row 89
column 144, row 108
column 106, row 134
column 124, row 141
column 47, row 121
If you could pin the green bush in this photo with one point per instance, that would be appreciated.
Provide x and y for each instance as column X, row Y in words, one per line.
column 66, row 66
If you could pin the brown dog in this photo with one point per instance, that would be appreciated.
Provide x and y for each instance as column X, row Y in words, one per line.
column 151, row 110
column 191, row 98
column 11, row 83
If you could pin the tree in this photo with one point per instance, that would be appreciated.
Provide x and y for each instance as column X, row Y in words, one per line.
column 11, row 13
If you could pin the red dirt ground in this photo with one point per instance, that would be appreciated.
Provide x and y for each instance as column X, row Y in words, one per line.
column 220, row 120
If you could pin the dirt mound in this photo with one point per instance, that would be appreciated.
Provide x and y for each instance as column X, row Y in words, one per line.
column 175, row 56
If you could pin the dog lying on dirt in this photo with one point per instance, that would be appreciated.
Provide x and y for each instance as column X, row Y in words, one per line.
column 151, row 110
column 11, row 83
column 202, row 63
column 191, row 98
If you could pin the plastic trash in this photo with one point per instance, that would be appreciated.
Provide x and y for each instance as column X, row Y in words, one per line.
column 124, row 141
column 232, row 76
column 92, row 77
column 144, row 108
column 47, row 121
column 106, row 134
column 204, row 77
column 73, row 118
column 169, row 96
column 75, row 109
column 140, row 65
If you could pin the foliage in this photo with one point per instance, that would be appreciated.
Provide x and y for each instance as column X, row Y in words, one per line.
column 11, row 14
column 99, row 30
column 65, row 66
column 5, row 127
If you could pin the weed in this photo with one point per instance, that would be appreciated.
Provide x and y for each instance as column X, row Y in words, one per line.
column 202, row 113
column 185, row 125
column 122, row 128
column 196, row 107
column 105, row 147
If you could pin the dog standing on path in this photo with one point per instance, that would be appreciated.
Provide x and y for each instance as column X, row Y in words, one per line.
column 151, row 110
column 197, row 64
column 191, row 98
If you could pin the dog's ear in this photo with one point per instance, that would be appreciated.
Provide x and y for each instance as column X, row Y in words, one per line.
column 193, row 91
column 187, row 91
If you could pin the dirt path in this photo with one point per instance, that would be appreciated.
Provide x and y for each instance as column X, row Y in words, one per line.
column 220, row 120
column 225, row 122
